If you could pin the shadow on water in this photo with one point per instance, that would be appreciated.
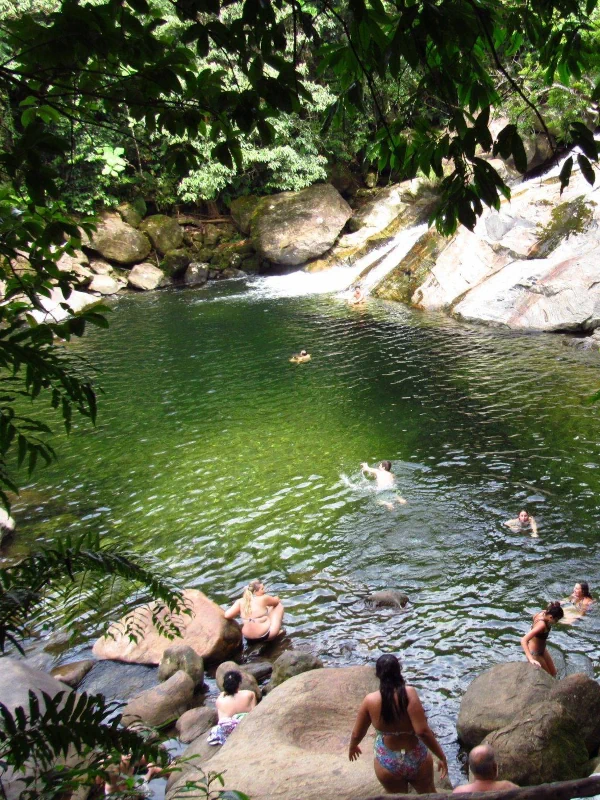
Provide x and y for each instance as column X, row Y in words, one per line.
column 223, row 461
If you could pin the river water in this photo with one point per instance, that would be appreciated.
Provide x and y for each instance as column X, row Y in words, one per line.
column 224, row 461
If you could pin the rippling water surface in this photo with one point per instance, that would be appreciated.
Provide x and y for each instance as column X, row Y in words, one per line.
column 226, row 462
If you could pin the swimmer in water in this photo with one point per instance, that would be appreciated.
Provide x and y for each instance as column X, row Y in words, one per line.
column 300, row 358
column 385, row 480
column 523, row 523
column 578, row 603
column 358, row 297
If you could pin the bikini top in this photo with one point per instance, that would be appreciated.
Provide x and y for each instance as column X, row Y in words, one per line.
column 544, row 635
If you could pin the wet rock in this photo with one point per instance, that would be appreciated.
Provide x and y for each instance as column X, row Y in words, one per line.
column 242, row 209
column 541, row 744
column 293, row 227
column 388, row 598
column 184, row 658
column 196, row 274
column 260, row 669
column 249, row 682
column 293, row 662
column 195, row 722
column 118, row 241
column 302, row 730
column 162, row 704
column 176, row 262
column 579, row 695
column 72, row 674
column 164, row 233
column 104, row 284
column 207, row 631
column 497, row 696
column 119, row 681
column 232, row 273
column 146, row 277
column 401, row 283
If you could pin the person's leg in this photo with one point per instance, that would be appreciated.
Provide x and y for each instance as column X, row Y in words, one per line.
column 548, row 664
column 423, row 783
column 275, row 618
column 394, row 784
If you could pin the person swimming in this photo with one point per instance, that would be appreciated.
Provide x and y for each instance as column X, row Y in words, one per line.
column 578, row 603
column 402, row 733
column 261, row 613
column 357, row 297
column 385, row 481
column 523, row 522
column 534, row 641
column 300, row 358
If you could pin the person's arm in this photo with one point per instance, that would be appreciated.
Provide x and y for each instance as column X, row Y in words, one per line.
column 361, row 726
column 234, row 611
column 366, row 468
column 270, row 600
column 424, row 732
column 534, row 528
column 510, row 523
column 537, row 629
column 252, row 700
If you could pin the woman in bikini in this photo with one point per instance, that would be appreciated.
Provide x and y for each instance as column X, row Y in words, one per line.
column 578, row 603
column 534, row 642
column 261, row 614
column 403, row 735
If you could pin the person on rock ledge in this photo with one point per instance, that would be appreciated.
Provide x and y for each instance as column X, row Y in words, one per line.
column 261, row 613
column 484, row 769
column 233, row 704
column 534, row 642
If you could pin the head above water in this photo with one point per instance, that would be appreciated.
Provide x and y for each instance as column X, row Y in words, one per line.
column 523, row 516
column 482, row 763
column 554, row 610
column 582, row 589
column 303, row 353
column 255, row 587
column 232, row 681
column 392, row 687
column 386, row 465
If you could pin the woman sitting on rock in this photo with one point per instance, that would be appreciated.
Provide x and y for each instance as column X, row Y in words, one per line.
column 261, row 614
column 403, row 735
column 534, row 642
column 232, row 706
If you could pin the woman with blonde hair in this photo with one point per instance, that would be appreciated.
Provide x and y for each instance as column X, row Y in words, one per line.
column 261, row 613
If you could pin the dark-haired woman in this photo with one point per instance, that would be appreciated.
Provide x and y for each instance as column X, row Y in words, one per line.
column 403, row 735
column 232, row 706
column 534, row 642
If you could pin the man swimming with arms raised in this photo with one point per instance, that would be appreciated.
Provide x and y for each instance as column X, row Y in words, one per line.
column 386, row 481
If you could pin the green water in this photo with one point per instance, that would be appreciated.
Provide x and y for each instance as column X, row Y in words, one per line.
column 225, row 462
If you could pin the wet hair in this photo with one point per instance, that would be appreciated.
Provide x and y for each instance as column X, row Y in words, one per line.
column 387, row 465
column 247, row 596
column 555, row 610
column 303, row 353
column 482, row 762
column 394, row 700
column 585, row 589
column 231, row 681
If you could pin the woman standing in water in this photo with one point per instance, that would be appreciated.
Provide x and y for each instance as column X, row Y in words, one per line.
column 261, row 614
column 403, row 735
column 534, row 642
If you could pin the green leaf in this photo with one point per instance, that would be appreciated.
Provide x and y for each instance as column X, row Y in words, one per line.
column 518, row 153
column 565, row 173
column 587, row 169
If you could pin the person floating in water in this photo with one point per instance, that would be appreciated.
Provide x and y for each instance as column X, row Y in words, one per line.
column 357, row 297
column 261, row 614
column 523, row 523
column 484, row 769
column 402, row 733
column 300, row 358
column 385, row 480
column 534, row 642
column 578, row 603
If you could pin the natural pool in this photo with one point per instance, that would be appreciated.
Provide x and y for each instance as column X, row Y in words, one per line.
column 226, row 462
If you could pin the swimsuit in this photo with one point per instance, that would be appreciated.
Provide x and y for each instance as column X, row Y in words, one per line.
column 543, row 636
column 257, row 619
column 401, row 763
column 219, row 733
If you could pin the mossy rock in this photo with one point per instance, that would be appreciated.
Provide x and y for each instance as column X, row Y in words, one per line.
column 176, row 262
column 130, row 215
column 231, row 254
column 568, row 218
column 242, row 209
column 402, row 282
column 164, row 232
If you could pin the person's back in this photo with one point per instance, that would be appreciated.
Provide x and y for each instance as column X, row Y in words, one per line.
column 483, row 766
column 241, row 702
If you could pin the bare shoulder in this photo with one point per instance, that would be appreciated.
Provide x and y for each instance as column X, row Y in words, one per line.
column 411, row 693
column 462, row 789
column 247, row 693
column 502, row 785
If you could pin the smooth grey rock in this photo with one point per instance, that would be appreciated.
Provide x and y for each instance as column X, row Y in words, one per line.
column 260, row 669
column 119, row 681
column 181, row 657
column 195, row 722
column 104, row 284
column 101, row 267
column 162, row 704
column 291, row 663
column 145, row 277
column 118, row 241
column 72, row 674
column 196, row 274
column 249, row 682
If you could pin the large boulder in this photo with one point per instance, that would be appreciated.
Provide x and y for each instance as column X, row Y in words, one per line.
column 54, row 306
column 133, row 213
column 497, row 696
column 541, row 744
column 73, row 673
column 580, row 696
column 164, row 232
column 291, row 663
column 117, row 241
column 213, row 637
column 292, row 227
column 242, row 209
column 303, row 730
column 181, row 657
column 195, row 722
column 162, row 704
column 104, row 284
column 196, row 274
column 146, row 277
column 175, row 262
column 249, row 682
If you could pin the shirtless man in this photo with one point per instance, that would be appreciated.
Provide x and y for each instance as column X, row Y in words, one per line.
column 384, row 478
column 483, row 767
column 523, row 523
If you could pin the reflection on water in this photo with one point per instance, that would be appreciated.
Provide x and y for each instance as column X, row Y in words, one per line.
column 226, row 462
